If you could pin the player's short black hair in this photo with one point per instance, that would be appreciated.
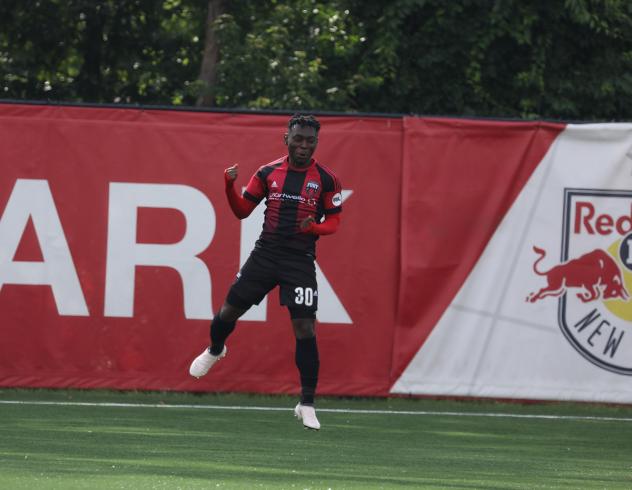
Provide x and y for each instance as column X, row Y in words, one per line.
column 303, row 120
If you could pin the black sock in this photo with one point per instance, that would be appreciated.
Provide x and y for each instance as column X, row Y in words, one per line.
column 307, row 362
column 220, row 330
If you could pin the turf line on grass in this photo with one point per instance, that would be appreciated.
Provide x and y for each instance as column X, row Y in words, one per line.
column 326, row 410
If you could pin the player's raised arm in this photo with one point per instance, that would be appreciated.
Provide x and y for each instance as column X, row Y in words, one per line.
column 241, row 207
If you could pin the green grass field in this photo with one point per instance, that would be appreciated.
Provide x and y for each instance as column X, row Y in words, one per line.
column 111, row 440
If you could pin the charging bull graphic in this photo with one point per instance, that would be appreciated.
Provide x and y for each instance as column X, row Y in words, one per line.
column 596, row 274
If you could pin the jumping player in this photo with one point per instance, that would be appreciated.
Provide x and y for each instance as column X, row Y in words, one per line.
column 299, row 192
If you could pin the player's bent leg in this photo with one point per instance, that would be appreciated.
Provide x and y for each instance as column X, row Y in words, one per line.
column 221, row 327
column 231, row 313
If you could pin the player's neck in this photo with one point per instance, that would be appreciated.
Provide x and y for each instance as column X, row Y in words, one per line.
column 300, row 166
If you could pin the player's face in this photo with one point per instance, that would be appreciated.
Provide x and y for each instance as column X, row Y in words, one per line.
column 301, row 144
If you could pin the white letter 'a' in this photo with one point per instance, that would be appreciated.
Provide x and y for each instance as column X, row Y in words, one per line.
column 33, row 198
column 124, row 254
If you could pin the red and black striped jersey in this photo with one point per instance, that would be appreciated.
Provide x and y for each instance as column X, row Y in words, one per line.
column 292, row 194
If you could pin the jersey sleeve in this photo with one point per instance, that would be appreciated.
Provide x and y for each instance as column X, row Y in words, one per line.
column 327, row 227
column 257, row 188
column 332, row 196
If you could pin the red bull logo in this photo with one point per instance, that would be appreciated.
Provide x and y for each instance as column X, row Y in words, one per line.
column 593, row 278
column 596, row 275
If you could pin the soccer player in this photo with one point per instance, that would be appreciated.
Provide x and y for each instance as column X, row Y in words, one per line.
column 299, row 192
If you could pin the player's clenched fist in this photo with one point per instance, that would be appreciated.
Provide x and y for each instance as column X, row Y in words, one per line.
column 307, row 223
column 230, row 174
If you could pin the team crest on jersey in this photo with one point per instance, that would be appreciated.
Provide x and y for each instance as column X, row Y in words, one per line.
column 593, row 280
column 312, row 188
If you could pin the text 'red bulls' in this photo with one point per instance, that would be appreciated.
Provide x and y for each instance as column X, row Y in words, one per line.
column 589, row 221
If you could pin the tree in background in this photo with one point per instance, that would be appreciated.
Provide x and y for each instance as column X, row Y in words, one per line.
column 104, row 51
column 569, row 59
column 210, row 57
column 300, row 55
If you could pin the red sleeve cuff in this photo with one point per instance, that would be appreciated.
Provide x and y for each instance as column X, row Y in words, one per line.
column 327, row 227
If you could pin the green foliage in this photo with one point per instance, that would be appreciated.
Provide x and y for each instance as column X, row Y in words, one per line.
column 294, row 56
column 532, row 59
column 569, row 59
column 107, row 51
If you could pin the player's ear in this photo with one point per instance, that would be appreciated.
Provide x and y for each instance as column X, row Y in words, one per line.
column 285, row 139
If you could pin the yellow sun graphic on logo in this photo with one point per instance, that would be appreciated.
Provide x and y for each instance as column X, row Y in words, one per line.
column 619, row 307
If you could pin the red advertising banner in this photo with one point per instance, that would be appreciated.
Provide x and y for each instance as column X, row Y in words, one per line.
column 117, row 246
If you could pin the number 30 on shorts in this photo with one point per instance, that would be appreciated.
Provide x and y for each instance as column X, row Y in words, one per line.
column 304, row 296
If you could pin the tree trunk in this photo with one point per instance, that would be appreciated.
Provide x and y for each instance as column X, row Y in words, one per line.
column 210, row 57
column 89, row 80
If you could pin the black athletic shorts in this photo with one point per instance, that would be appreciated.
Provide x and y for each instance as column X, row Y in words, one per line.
column 295, row 275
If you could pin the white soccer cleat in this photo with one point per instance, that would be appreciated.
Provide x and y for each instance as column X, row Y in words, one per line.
column 307, row 414
column 205, row 361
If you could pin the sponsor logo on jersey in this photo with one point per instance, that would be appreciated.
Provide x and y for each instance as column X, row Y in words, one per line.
column 311, row 188
column 284, row 196
column 593, row 280
column 336, row 200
